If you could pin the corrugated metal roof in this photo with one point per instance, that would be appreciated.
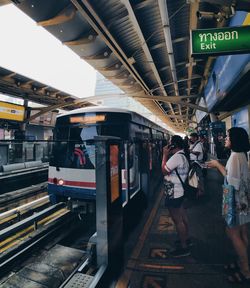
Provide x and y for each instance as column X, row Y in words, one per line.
column 17, row 85
column 126, row 41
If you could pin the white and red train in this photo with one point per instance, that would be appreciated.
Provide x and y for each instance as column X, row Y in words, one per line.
column 72, row 165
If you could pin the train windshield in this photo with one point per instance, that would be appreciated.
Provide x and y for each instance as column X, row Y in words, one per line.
column 74, row 145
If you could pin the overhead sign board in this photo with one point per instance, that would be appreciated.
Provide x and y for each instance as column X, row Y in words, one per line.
column 11, row 111
column 46, row 119
column 221, row 41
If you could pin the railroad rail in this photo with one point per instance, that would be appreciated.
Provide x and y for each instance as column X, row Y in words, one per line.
column 24, row 235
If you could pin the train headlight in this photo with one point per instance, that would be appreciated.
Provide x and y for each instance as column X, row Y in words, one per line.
column 60, row 182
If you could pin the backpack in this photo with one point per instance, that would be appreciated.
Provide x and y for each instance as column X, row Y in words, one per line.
column 190, row 185
column 204, row 158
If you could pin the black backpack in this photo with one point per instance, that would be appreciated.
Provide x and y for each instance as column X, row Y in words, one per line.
column 190, row 192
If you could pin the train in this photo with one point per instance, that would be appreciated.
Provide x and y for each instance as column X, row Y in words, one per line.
column 72, row 164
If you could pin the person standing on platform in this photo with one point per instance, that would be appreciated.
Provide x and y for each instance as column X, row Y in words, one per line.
column 237, row 175
column 186, row 147
column 196, row 154
column 177, row 163
column 205, row 147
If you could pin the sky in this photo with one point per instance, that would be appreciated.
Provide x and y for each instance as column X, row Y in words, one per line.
column 33, row 52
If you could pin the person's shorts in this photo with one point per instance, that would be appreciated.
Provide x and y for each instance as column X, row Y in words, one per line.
column 174, row 203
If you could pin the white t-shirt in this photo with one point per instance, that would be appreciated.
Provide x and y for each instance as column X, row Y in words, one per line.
column 177, row 161
column 196, row 147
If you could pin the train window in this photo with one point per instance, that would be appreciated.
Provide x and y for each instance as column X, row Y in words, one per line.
column 59, row 151
column 139, row 131
column 73, row 155
column 114, row 130
column 61, row 133
column 88, row 133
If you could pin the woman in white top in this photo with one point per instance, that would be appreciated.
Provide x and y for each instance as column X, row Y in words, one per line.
column 237, row 174
column 174, row 203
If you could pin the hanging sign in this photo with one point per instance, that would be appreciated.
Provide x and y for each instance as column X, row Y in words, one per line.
column 10, row 111
column 220, row 41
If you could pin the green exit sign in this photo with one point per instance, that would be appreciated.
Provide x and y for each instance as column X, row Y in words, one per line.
column 221, row 41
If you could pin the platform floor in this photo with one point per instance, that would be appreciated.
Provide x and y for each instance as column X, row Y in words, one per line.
column 147, row 261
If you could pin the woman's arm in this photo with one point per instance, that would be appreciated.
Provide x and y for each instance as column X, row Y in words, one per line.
column 166, row 150
column 218, row 165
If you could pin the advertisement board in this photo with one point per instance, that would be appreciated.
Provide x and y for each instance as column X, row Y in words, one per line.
column 9, row 111
column 241, row 119
column 218, row 129
column 227, row 72
column 47, row 119
column 114, row 173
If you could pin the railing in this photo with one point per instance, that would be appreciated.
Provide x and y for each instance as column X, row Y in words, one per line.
column 17, row 151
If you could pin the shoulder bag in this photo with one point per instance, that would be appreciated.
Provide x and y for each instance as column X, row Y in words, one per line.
column 228, row 204
column 168, row 188
column 189, row 191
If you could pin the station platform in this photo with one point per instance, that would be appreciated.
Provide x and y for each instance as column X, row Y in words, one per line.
column 148, row 263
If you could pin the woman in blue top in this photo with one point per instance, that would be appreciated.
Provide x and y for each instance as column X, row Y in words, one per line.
column 237, row 174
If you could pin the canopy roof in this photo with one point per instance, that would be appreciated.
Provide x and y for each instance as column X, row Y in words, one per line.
column 142, row 46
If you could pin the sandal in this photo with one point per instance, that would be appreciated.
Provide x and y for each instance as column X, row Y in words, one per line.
column 232, row 267
column 238, row 277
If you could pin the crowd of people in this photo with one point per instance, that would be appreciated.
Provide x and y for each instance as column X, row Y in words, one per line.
column 178, row 156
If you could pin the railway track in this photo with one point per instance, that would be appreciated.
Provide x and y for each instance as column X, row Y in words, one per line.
column 54, row 230
column 22, row 196
column 24, row 235
column 19, row 213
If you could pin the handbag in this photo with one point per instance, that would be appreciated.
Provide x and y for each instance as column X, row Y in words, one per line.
column 168, row 188
column 228, row 204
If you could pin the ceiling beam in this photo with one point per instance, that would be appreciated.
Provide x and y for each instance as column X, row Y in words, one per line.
column 65, row 15
column 87, row 11
column 4, row 2
column 105, row 53
column 168, row 40
column 87, row 39
column 173, row 100
column 181, row 80
column 144, row 4
column 143, row 43
column 9, row 76
column 194, row 7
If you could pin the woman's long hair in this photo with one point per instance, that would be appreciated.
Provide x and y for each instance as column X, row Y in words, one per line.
column 239, row 139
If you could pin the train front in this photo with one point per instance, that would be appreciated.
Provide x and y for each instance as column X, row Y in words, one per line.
column 72, row 164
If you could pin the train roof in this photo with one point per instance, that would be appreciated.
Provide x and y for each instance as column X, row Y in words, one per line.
column 134, row 116
column 96, row 109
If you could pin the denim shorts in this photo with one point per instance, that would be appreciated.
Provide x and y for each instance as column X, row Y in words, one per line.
column 174, row 202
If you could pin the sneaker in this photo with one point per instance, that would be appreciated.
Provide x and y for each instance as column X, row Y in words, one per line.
column 189, row 243
column 180, row 252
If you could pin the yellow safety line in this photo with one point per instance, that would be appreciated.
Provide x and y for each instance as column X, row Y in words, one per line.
column 124, row 279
